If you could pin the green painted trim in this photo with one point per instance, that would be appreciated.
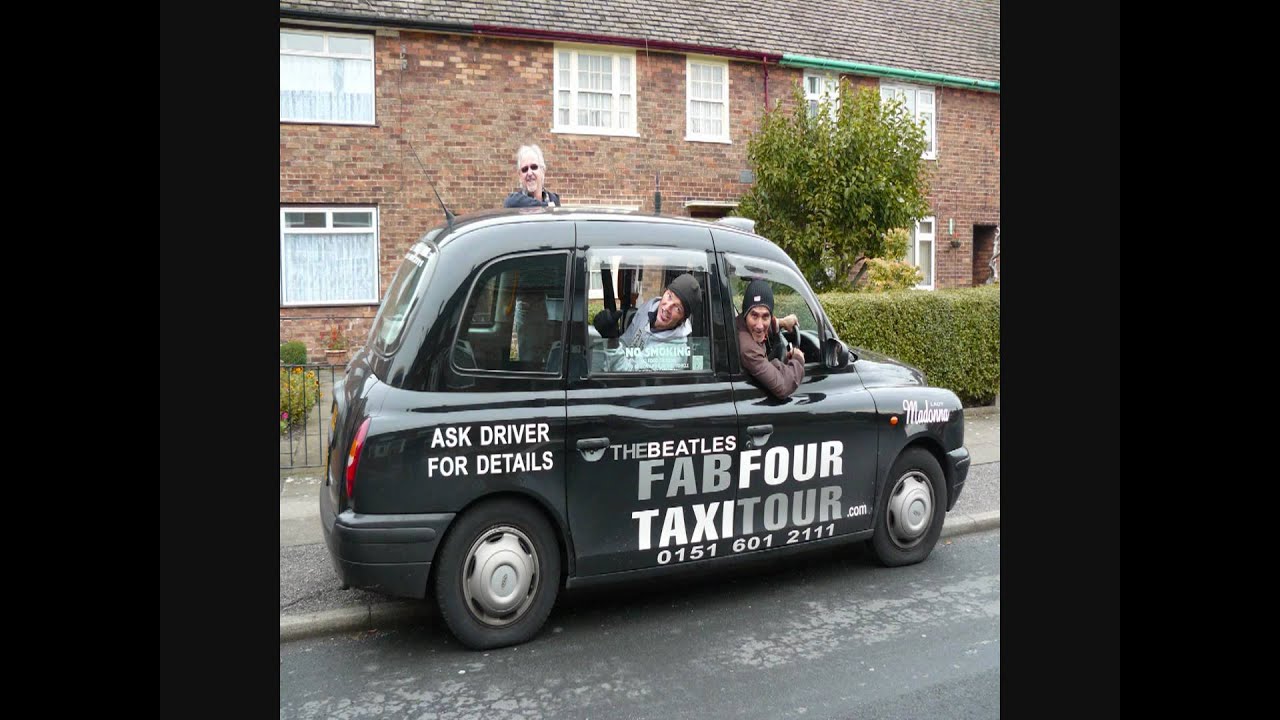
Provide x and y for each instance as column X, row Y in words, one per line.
column 789, row 60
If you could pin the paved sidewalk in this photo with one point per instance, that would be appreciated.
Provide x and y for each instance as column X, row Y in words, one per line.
column 312, row 601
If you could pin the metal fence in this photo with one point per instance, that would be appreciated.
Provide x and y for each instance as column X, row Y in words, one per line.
column 306, row 396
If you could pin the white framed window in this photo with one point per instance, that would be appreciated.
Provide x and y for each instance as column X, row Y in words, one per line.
column 920, row 251
column 921, row 103
column 595, row 92
column 706, row 100
column 326, row 77
column 328, row 255
column 819, row 86
column 595, row 284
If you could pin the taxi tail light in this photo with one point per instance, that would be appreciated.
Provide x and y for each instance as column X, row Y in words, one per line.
column 353, row 456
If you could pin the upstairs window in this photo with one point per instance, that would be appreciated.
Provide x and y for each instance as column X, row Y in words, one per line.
column 326, row 77
column 595, row 92
column 707, row 100
column 821, row 87
column 920, row 103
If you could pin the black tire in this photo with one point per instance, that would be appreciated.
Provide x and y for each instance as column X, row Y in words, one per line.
column 492, row 544
column 906, row 503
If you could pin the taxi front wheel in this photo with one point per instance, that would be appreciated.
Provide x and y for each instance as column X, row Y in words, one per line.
column 911, row 509
column 498, row 574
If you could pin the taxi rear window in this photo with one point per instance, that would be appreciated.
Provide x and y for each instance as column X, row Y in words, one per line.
column 414, row 273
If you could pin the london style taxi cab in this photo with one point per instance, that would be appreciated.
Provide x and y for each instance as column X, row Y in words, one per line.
column 491, row 445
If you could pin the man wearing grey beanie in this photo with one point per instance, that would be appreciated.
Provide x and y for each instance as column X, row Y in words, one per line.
column 758, row 342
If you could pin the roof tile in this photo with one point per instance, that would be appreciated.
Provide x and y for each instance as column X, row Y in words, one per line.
column 952, row 37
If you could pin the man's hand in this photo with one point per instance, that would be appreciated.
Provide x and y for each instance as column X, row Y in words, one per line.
column 789, row 322
column 606, row 323
column 796, row 353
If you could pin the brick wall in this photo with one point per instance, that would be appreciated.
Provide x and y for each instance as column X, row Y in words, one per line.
column 464, row 104
column 965, row 179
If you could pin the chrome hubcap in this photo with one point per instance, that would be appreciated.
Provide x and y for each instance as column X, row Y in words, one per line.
column 500, row 577
column 910, row 509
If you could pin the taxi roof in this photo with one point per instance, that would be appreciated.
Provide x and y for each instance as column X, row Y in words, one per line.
column 463, row 224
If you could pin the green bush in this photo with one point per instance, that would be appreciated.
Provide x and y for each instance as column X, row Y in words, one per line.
column 951, row 335
column 299, row 395
column 293, row 352
column 787, row 302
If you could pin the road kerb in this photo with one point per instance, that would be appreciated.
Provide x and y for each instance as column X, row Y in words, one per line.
column 961, row 523
column 351, row 619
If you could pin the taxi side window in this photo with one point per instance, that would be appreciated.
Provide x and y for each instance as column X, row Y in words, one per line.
column 623, row 335
column 514, row 317
column 787, row 300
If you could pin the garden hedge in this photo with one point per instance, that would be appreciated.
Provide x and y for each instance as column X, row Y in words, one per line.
column 951, row 335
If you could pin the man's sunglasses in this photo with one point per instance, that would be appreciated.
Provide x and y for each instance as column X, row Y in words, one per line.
column 527, row 168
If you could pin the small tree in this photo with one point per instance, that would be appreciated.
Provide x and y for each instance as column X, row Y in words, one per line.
column 829, row 188
column 881, row 274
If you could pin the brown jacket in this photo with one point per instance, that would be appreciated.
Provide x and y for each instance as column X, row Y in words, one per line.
column 779, row 378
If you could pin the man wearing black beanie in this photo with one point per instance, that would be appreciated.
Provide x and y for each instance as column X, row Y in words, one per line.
column 758, row 342
column 660, row 325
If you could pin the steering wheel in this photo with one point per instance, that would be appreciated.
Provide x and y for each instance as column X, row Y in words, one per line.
column 782, row 344
column 793, row 338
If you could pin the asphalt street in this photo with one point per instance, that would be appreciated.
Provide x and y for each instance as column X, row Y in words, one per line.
column 829, row 634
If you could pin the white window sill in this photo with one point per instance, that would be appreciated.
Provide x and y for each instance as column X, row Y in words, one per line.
column 602, row 207
column 929, row 156
column 595, row 131
column 294, row 121
column 711, row 203
column 331, row 303
column 708, row 139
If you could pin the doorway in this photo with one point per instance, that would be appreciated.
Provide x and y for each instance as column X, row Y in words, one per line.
column 983, row 249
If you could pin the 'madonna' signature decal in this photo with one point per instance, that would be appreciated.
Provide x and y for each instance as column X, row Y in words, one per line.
column 918, row 416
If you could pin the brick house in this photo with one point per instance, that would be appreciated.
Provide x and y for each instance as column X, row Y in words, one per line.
column 382, row 99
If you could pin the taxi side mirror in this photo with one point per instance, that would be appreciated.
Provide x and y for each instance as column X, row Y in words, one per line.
column 835, row 354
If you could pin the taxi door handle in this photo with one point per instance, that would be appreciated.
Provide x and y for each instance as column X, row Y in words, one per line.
column 759, row 435
column 593, row 443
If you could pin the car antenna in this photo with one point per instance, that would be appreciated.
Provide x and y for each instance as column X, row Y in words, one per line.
column 657, row 196
column 448, row 216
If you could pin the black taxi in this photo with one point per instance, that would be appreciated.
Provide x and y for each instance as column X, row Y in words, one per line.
column 491, row 445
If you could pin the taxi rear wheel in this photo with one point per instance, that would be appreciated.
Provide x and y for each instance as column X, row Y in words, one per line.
column 498, row 574
column 911, row 510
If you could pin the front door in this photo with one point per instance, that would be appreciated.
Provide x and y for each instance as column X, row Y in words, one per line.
column 808, row 467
